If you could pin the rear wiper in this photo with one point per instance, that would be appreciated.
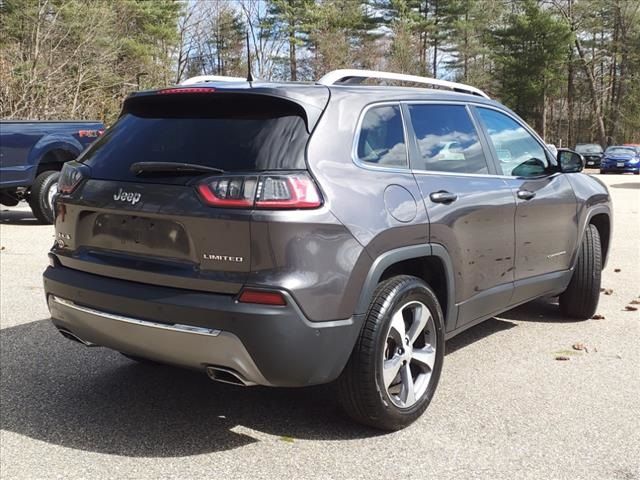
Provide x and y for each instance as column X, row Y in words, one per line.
column 176, row 168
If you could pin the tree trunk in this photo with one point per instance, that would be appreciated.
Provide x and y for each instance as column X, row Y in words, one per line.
column 543, row 119
column 571, row 140
column 292, row 55
column 435, row 40
column 466, row 46
column 591, row 81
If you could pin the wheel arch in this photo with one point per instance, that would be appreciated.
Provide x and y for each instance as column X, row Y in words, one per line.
column 601, row 219
column 50, row 153
column 429, row 262
column 54, row 158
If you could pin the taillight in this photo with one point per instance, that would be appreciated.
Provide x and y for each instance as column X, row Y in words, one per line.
column 70, row 177
column 233, row 192
column 286, row 191
column 262, row 297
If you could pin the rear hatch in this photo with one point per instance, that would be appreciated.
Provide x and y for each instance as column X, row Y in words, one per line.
column 155, row 224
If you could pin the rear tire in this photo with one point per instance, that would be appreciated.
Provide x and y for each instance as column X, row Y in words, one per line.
column 395, row 365
column 580, row 299
column 43, row 190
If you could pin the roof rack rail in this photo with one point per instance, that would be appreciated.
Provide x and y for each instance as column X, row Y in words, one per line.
column 211, row 78
column 354, row 77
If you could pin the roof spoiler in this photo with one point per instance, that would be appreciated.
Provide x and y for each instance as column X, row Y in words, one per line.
column 211, row 78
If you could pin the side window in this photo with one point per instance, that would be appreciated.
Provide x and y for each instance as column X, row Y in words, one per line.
column 519, row 153
column 447, row 140
column 381, row 139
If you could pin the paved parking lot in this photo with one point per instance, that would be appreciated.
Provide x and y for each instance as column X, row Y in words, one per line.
column 505, row 408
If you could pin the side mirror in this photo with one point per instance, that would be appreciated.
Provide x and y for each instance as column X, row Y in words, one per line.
column 534, row 167
column 570, row 161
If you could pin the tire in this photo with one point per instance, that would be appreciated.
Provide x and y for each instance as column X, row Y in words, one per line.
column 602, row 172
column 580, row 299
column 41, row 197
column 362, row 389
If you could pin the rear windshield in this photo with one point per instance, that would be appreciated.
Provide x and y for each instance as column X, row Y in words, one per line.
column 228, row 131
column 589, row 148
column 621, row 151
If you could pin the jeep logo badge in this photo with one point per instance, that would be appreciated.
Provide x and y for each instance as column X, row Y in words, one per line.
column 130, row 197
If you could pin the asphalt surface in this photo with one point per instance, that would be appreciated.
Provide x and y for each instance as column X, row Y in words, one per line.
column 505, row 407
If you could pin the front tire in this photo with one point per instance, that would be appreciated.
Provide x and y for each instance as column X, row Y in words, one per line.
column 43, row 191
column 580, row 299
column 395, row 365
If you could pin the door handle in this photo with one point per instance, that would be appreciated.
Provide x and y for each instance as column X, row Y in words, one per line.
column 443, row 197
column 526, row 194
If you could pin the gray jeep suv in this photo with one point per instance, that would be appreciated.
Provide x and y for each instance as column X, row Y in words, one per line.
column 289, row 234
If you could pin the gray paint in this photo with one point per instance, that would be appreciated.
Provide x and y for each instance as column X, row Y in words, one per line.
column 498, row 250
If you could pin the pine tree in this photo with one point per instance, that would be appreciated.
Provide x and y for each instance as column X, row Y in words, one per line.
column 529, row 50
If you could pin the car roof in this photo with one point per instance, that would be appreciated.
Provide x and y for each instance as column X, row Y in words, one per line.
column 310, row 91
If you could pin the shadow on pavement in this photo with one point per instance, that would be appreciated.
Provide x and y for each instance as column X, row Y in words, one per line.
column 476, row 333
column 17, row 217
column 542, row 310
column 633, row 186
column 94, row 399
column 97, row 400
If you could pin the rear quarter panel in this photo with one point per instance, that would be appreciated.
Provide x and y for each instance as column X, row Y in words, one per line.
column 24, row 144
column 356, row 195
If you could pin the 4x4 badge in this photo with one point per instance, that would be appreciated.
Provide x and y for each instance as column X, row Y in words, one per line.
column 130, row 197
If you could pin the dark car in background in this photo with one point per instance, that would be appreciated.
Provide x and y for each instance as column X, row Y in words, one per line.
column 621, row 159
column 592, row 153
column 31, row 156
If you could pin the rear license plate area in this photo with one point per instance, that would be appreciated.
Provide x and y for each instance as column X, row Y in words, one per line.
column 139, row 234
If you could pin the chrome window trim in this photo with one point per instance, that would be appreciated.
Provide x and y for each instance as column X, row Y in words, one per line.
column 408, row 169
column 136, row 321
column 356, row 140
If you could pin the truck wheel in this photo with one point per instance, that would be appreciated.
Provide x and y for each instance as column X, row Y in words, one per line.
column 580, row 299
column 43, row 190
column 395, row 365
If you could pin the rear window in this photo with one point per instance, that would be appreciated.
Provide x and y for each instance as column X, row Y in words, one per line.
column 588, row 148
column 621, row 151
column 232, row 132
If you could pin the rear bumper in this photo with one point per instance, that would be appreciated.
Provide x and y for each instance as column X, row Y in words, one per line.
column 265, row 345
column 626, row 169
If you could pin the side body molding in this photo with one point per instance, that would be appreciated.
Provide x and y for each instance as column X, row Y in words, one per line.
column 391, row 257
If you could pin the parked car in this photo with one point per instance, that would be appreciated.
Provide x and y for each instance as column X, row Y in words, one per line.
column 621, row 159
column 592, row 153
column 31, row 156
column 552, row 148
column 287, row 234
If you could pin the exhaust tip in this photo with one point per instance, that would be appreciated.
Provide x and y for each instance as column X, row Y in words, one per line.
column 73, row 337
column 226, row 375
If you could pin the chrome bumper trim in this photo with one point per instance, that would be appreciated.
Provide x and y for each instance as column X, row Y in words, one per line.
column 175, row 344
column 146, row 323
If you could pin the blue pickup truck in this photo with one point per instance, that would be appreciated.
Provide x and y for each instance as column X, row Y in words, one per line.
column 31, row 156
